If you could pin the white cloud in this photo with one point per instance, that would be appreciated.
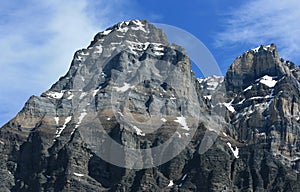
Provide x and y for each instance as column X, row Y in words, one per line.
column 38, row 40
column 264, row 22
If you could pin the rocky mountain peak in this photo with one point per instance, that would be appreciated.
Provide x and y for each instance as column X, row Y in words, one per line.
column 131, row 88
column 133, row 30
column 264, row 90
column 137, row 37
column 254, row 64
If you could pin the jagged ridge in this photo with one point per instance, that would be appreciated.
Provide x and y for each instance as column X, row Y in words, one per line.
column 44, row 148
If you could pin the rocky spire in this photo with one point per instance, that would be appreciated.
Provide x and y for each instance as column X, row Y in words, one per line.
column 254, row 64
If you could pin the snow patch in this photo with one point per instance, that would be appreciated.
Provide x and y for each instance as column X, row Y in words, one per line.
column 106, row 32
column 124, row 88
column 78, row 174
column 140, row 26
column 171, row 183
column 56, row 120
column 60, row 130
column 234, row 151
column 158, row 50
column 207, row 97
column 182, row 122
column 268, row 81
column 163, row 120
column 211, row 82
column 1, row 142
column 70, row 97
column 138, row 131
column 158, row 53
column 256, row 49
column 123, row 29
column 56, row 95
column 264, row 47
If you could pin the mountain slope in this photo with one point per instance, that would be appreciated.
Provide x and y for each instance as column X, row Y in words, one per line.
column 131, row 88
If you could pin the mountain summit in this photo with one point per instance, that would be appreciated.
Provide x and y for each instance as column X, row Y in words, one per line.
column 130, row 115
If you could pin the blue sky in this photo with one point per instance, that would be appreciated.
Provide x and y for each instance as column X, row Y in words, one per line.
column 38, row 38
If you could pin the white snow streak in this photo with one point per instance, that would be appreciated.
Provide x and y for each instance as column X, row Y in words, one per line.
column 80, row 118
column 78, row 174
column 229, row 106
column 56, row 120
column 106, row 32
column 95, row 92
column 60, row 130
column 248, row 88
column 234, row 151
column 140, row 26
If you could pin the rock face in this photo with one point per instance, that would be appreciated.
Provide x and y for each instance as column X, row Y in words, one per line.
column 267, row 106
column 131, row 88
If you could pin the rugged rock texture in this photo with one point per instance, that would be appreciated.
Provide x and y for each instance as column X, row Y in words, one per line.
column 131, row 85
column 267, row 106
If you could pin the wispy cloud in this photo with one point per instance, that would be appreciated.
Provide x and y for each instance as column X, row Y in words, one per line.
column 38, row 39
column 262, row 22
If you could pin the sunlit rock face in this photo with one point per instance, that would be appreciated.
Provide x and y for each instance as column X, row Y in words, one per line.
column 132, row 86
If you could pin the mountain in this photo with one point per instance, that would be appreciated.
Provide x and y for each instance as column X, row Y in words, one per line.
column 130, row 115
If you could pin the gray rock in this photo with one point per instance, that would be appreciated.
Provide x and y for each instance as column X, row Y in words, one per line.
column 132, row 86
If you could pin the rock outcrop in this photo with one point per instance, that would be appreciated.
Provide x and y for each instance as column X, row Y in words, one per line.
column 131, row 88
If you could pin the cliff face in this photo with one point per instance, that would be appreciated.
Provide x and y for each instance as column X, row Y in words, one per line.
column 266, row 102
column 129, row 115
